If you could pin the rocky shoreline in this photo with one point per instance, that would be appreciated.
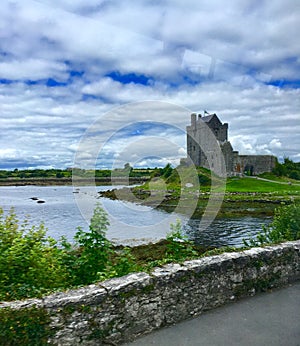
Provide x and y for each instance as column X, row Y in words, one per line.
column 234, row 203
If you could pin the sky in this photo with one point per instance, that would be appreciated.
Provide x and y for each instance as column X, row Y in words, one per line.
column 127, row 74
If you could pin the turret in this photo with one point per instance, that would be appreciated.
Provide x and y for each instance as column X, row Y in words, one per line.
column 193, row 119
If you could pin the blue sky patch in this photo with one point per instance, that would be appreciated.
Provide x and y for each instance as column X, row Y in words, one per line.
column 129, row 78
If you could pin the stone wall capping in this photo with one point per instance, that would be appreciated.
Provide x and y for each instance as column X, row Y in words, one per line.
column 127, row 282
column 168, row 270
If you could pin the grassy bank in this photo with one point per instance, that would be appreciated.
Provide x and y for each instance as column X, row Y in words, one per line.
column 242, row 196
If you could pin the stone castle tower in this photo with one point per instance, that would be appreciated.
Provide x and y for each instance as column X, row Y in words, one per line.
column 207, row 132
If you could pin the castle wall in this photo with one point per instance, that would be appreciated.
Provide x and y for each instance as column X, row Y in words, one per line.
column 255, row 164
column 220, row 130
column 193, row 149
column 228, row 157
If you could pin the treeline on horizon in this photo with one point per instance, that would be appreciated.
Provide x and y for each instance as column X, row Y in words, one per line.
column 67, row 173
column 288, row 169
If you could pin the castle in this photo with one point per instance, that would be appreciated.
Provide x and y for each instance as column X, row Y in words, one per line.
column 205, row 132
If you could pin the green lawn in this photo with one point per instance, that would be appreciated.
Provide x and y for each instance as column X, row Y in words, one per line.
column 256, row 185
column 274, row 177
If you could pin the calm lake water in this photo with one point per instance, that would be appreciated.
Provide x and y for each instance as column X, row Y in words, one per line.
column 64, row 210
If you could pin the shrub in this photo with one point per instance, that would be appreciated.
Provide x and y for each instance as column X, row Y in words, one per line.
column 167, row 171
column 28, row 326
column 30, row 262
column 93, row 250
column 203, row 179
column 284, row 227
column 123, row 263
column 179, row 247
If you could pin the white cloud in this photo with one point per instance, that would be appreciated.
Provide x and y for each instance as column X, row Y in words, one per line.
column 32, row 69
column 8, row 153
column 198, row 55
column 275, row 143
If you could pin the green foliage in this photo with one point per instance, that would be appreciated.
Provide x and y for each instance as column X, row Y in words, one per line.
column 35, row 173
column 123, row 172
column 247, row 185
column 166, row 171
column 173, row 177
column 30, row 262
column 92, row 257
column 123, row 263
column 67, row 173
column 4, row 174
column 294, row 174
column 28, row 326
column 179, row 247
column 102, row 173
column 287, row 168
column 284, row 227
column 141, row 172
column 59, row 175
column 155, row 173
column 204, row 179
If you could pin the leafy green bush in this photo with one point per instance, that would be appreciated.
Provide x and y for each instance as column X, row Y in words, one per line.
column 179, row 247
column 28, row 326
column 287, row 168
column 123, row 263
column 203, row 179
column 284, row 227
column 30, row 262
column 93, row 250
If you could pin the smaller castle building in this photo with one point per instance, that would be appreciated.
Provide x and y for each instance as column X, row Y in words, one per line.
column 207, row 132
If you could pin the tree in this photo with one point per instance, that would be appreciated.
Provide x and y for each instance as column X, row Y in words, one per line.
column 94, row 249
column 167, row 171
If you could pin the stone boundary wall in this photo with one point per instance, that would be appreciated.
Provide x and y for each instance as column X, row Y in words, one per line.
column 121, row 309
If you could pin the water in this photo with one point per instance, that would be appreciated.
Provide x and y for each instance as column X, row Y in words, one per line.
column 65, row 209
column 226, row 231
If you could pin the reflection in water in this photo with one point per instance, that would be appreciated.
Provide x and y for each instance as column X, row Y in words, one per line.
column 226, row 231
